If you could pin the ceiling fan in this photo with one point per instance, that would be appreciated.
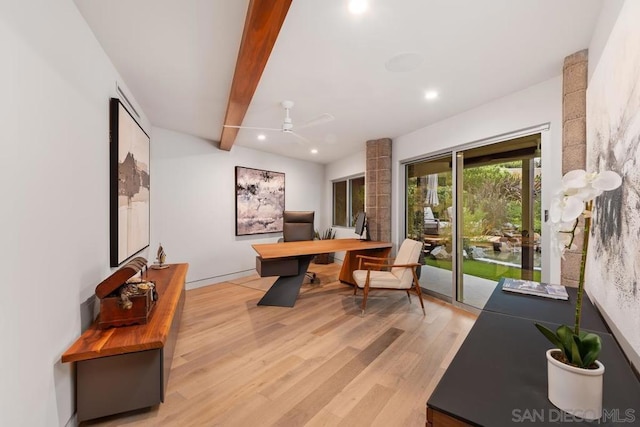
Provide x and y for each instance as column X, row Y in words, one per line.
column 287, row 124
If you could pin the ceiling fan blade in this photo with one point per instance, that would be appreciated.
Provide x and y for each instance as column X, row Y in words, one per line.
column 297, row 135
column 252, row 128
column 321, row 119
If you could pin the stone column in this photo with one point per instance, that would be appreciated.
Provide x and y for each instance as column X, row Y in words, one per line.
column 378, row 189
column 574, row 141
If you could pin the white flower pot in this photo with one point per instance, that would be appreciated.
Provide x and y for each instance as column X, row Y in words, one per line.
column 576, row 391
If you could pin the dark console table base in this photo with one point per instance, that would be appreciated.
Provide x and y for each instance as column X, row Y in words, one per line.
column 499, row 375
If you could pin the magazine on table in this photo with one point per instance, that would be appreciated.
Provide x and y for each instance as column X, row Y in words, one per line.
column 529, row 287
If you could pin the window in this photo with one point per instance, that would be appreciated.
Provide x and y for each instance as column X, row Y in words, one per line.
column 348, row 200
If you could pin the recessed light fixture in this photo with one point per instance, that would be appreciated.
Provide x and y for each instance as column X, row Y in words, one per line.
column 314, row 151
column 358, row 7
column 431, row 95
column 261, row 137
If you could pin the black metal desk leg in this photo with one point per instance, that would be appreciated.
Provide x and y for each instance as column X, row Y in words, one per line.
column 284, row 292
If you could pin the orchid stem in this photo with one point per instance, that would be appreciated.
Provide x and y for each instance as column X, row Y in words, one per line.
column 583, row 262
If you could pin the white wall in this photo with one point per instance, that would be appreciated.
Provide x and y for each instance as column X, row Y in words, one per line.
column 193, row 203
column 606, row 20
column 536, row 105
column 55, row 205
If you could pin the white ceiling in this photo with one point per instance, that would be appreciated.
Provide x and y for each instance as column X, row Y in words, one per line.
column 178, row 57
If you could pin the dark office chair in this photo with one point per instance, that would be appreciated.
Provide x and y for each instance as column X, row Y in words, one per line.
column 298, row 226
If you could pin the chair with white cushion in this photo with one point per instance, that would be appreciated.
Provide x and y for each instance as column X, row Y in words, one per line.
column 401, row 276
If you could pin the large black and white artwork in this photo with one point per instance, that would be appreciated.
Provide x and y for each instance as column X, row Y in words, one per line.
column 129, row 185
column 612, row 275
column 259, row 201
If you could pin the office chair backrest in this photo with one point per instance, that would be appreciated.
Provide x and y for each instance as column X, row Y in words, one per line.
column 298, row 225
column 409, row 253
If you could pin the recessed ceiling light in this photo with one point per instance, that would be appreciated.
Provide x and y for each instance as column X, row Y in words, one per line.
column 314, row 151
column 358, row 7
column 261, row 137
column 431, row 95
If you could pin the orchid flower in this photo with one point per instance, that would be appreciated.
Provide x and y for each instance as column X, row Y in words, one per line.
column 578, row 187
column 575, row 199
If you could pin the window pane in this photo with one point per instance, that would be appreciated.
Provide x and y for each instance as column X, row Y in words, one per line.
column 340, row 203
column 357, row 197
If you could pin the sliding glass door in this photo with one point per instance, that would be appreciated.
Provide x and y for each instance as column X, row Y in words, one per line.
column 478, row 213
column 429, row 205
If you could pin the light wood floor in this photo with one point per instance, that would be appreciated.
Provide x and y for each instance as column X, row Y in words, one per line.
column 317, row 364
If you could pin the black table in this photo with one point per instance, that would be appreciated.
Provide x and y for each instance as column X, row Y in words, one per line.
column 545, row 309
column 499, row 375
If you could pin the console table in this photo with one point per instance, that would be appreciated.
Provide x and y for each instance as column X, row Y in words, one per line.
column 126, row 368
column 290, row 261
column 499, row 375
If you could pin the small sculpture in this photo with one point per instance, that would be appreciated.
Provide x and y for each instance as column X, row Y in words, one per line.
column 160, row 259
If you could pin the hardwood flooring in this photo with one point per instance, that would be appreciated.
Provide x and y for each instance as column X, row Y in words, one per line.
column 317, row 364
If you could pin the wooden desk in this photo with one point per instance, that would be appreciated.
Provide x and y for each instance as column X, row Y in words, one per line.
column 110, row 362
column 499, row 375
column 284, row 291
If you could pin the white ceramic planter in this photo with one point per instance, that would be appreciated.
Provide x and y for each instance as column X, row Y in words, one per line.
column 576, row 391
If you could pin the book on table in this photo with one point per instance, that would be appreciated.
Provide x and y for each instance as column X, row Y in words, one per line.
column 529, row 287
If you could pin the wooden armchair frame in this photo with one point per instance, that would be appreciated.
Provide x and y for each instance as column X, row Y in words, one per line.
column 384, row 263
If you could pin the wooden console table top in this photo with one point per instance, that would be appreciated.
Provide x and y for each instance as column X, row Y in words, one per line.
column 95, row 342
column 315, row 247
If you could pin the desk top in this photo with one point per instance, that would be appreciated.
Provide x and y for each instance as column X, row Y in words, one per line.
column 314, row 247
column 499, row 377
column 95, row 342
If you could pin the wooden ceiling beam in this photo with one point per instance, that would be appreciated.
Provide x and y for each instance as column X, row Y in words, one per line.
column 261, row 28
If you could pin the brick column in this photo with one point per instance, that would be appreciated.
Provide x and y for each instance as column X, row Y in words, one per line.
column 378, row 189
column 574, row 141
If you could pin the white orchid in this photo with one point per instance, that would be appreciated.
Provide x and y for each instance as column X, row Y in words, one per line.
column 578, row 189
column 575, row 199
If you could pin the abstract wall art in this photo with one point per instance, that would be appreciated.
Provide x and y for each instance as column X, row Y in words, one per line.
column 612, row 275
column 259, row 201
column 129, row 185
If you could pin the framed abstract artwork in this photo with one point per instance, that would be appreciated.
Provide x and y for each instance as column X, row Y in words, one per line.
column 259, row 201
column 129, row 185
column 613, row 142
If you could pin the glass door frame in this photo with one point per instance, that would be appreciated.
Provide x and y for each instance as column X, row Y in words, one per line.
column 549, row 269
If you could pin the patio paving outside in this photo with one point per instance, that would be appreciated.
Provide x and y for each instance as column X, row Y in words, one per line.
column 476, row 290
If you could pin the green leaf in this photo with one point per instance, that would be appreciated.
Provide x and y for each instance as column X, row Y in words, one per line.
column 550, row 335
column 590, row 348
column 565, row 334
column 576, row 358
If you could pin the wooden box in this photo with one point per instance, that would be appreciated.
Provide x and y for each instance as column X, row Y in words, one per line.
column 123, row 300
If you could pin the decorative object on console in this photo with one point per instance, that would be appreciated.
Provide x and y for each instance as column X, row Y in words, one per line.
column 160, row 259
column 327, row 258
column 577, row 351
column 125, row 300
column 259, row 201
column 529, row 287
column 129, row 185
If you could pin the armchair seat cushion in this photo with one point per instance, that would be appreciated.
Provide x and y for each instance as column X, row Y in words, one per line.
column 378, row 279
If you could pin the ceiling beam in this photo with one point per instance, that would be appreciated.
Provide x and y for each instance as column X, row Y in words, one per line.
column 261, row 28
